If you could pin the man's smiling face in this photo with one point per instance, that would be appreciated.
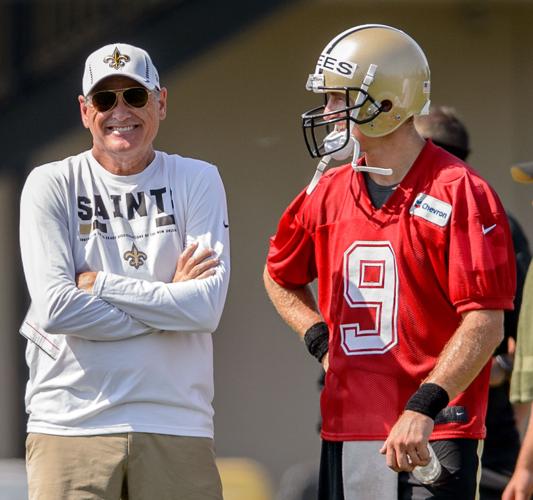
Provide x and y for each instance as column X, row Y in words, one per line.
column 124, row 133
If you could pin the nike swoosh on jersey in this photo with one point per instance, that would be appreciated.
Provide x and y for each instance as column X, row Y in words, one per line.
column 487, row 230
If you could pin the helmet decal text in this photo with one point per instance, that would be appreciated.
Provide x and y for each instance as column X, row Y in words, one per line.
column 330, row 63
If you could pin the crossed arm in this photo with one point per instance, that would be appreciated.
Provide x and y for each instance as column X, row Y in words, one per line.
column 58, row 306
column 187, row 268
column 120, row 307
column 462, row 359
column 190, row 302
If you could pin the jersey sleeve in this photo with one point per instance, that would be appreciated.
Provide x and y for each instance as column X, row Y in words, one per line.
column 482, row 272
column 291, row 256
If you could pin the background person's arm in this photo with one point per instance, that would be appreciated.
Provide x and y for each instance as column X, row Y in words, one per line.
column 520, row 487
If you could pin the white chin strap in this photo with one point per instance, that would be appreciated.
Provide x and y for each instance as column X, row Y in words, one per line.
column 352, row 147
column 372, row 170
column 365, row 168
column 322, row 164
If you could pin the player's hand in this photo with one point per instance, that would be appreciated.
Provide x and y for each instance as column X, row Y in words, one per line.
column 192, row 266
column 85, row 281
column 407, row 444
column 520, row 487
column 325, row 362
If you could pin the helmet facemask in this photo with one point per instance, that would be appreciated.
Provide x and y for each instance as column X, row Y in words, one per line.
column 331, row 132
column 339, row 144
column 387, row 75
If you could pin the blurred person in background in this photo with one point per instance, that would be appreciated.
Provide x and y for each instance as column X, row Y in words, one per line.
column 126, row 257
column 502, row 442
column 520, row 486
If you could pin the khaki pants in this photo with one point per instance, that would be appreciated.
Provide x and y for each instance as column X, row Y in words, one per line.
column 132, row 466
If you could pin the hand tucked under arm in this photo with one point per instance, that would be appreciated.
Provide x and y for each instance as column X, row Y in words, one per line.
column 190, row 266
column 187, row 268
column 85, row 281
column 192, row 302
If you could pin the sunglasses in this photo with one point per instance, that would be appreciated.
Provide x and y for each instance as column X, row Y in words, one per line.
column 105, row 100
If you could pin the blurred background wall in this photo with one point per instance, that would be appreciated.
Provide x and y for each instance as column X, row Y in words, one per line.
column 235, row 72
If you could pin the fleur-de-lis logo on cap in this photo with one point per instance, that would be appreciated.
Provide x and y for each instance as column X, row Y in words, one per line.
column 134, row 257
column 116, row 60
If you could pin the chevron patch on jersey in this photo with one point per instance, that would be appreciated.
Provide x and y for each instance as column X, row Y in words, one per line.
column 432, row 209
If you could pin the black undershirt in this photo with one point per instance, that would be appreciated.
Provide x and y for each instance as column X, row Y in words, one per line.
column 378, row 194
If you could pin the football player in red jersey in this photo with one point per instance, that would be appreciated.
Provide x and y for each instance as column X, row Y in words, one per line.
column 415, row 265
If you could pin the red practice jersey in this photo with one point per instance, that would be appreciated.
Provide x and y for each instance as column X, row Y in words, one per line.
column 393, row 283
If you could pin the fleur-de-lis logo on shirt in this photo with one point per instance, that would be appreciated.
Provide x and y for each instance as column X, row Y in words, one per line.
column 116, row 60
column 135, row 257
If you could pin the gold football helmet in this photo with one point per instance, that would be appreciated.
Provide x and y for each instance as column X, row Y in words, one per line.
column 384, row 78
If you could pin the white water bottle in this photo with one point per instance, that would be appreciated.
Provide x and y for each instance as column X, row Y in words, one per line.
column 428, row 474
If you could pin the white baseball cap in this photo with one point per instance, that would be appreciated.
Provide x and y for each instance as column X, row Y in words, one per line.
column 119, row 59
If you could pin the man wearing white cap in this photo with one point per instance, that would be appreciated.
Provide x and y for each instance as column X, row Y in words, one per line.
column 126, row 257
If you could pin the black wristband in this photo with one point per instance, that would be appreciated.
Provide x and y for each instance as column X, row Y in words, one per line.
column 429, row 400
column 316, row 339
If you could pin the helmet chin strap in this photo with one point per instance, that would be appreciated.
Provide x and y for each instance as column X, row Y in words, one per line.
column 352, row 145
column 322, row 164
column 366, row 168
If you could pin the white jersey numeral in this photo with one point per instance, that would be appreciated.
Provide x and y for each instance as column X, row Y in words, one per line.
column 371, row 291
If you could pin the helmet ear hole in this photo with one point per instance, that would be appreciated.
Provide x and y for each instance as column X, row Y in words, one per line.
column 386, row 106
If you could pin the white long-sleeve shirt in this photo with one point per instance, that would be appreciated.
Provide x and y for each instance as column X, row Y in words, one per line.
column 136, row 354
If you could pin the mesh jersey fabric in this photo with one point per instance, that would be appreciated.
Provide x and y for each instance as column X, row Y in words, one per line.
column 392, row 285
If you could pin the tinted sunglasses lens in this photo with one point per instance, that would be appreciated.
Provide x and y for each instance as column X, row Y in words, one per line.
column 136, row 97
column 104, row 100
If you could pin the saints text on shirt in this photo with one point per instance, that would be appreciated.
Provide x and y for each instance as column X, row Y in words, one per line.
column 126, row 206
